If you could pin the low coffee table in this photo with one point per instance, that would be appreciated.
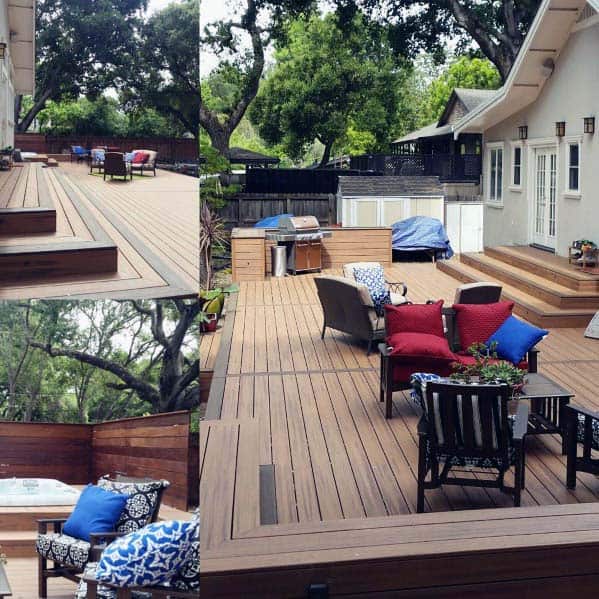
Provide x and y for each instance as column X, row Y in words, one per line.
column 4, row 586
column 547, row 401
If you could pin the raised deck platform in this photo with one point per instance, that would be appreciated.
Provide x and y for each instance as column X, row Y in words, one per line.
column 304, row 482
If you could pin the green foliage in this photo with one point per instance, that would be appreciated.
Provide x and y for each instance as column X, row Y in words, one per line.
column 148, row 122
column 473, row 73
column 329, row 84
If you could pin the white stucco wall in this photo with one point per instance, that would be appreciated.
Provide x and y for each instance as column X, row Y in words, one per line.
column 7, row 97
column 571, row 94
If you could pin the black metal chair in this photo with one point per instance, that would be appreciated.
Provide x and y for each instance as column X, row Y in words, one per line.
column 467, row 427
column 582, row 426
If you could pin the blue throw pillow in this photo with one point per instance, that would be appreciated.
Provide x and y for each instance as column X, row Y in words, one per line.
column 514, row 338
column 96, row 511
column 149, row 556
column 374, row 279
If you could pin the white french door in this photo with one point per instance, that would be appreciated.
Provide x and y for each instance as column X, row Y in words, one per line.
column 545, row 198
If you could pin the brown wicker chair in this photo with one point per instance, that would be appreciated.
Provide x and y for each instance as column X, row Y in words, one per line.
column 347, row 307
column 478, row 293
column 115, row 166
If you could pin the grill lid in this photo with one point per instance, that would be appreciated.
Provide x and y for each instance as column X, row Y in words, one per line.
column 299, row 224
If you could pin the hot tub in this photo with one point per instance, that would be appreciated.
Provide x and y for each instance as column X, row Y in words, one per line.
column 26, row 492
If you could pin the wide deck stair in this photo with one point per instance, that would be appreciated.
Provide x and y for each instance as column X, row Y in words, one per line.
column 547, row 290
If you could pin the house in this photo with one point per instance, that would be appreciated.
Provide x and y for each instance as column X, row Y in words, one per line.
column 540, row 138
column 17, row 66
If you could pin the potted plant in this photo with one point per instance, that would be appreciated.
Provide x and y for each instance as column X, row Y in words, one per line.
column 488, row 369
column 208, row 322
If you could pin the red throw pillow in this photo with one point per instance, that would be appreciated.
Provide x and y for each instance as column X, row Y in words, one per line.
column 140, row 158
column 414, row 318
column 420, row 345
column 477, row 322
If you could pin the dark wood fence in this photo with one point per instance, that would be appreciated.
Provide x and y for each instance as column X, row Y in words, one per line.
column 245, row 209
column 160, row 446
column 60, row 451
column 169, row 149
column 448, row 167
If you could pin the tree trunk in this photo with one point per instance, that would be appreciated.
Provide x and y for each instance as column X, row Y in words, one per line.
column 18, row 104
column 35, row 110
column 326, row 155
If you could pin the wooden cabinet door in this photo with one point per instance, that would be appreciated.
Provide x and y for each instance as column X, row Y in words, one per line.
column 314, row 255
column 302, row 255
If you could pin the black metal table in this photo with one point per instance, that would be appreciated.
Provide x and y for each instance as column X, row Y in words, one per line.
column 4, row 586
column 547, row 402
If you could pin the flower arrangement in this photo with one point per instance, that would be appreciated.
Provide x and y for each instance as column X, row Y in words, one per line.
column 487, row 369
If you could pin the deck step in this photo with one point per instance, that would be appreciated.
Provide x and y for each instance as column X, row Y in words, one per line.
column 25, row 221
column 18, row 263
column 546, row 265
column 18, row 543
column 551, row 292
column 25, row 518
column 533, row 309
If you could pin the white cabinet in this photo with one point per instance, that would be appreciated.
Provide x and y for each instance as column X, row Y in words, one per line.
column 464, row 226
column 370, row 211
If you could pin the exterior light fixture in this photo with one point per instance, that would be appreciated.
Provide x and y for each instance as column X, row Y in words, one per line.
column 523, row 132
column 560, row 128
column 3, row 46
column 589, row 124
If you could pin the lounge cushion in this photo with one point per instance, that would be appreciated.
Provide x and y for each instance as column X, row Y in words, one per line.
column 515, row 338
column 477, row 322
column 187, row 577
column 141, row 505
column 140, row 158
column 420, row 345
column 415, row 318
column 63, row 549
column 97, row 510
column 373, row 277
column 149, row 556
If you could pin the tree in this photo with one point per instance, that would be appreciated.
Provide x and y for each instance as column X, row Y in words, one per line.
column 82, row 47
column 474, row 73
column 166, row 75
column 226, row 38
column 498, row 28
column 329, row 83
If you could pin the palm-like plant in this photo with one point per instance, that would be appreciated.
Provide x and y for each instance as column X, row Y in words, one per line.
column 212, row 235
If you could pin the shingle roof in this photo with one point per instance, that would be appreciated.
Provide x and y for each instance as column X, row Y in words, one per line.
column 471, row 98
column 431, row 130
column 390, row 186
column 241, row 156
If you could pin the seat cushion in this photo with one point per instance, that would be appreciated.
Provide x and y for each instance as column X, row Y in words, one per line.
column 580, row 431
column 140, row 158
column 477, row 322
column 468, row 360
column 187, row 577
column 141, row 505
column 397, row 299
column 415, row 318
column 373, row 277
column 63, row 549
column 102, row 592
column 420, row 345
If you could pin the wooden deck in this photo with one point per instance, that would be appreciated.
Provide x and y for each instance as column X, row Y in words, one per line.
column 297, row 438
column 152, row 221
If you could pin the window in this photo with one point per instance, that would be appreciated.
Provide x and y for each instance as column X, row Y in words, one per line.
column 573, row 168
column 517, row 167
column 495, row 174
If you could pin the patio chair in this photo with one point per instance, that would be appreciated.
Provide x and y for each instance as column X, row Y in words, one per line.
column 348, row 307
column 478, row 293
column 582, row 427
column 466, row 427
column 149, row 165
column 115, row 166
column 70, row 556
column 97, row 160
column 398, row 291
column 79, row 153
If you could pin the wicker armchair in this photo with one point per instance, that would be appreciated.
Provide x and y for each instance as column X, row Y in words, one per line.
column 115, row 166
column 147, row 167
column 397, row 290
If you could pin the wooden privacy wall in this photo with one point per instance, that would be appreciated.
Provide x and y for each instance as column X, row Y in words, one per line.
column 158, row 446
column 60, row 451
column 251, row 258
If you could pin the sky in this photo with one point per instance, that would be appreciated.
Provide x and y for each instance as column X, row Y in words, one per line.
column 154, row 5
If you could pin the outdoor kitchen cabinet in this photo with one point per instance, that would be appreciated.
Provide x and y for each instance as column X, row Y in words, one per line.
column 308, row 256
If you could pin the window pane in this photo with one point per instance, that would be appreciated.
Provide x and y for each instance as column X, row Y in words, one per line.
column 492, row 178
column 499, row 173
column 573, row 179
column 516, row 175
column 517, row 156
column 574, row 154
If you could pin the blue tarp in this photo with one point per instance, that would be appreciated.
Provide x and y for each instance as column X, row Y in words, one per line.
column 421, row 233
column 270, row 222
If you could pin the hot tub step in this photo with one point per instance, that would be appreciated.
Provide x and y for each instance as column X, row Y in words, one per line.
column 25, row 518
column 18, row 544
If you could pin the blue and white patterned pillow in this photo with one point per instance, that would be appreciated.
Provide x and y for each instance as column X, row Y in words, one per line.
column 149, row 556
column 374, row 279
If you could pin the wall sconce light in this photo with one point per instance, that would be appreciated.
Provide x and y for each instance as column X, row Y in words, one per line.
column 523, row 132
column 560, row 128
column 589, row 124
column 3, row 46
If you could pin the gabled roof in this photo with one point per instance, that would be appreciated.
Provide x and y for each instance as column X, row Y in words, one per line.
column 243, row 156
column 390, row 186
column 546, row 39
column 432, row 130
column 469, row 98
